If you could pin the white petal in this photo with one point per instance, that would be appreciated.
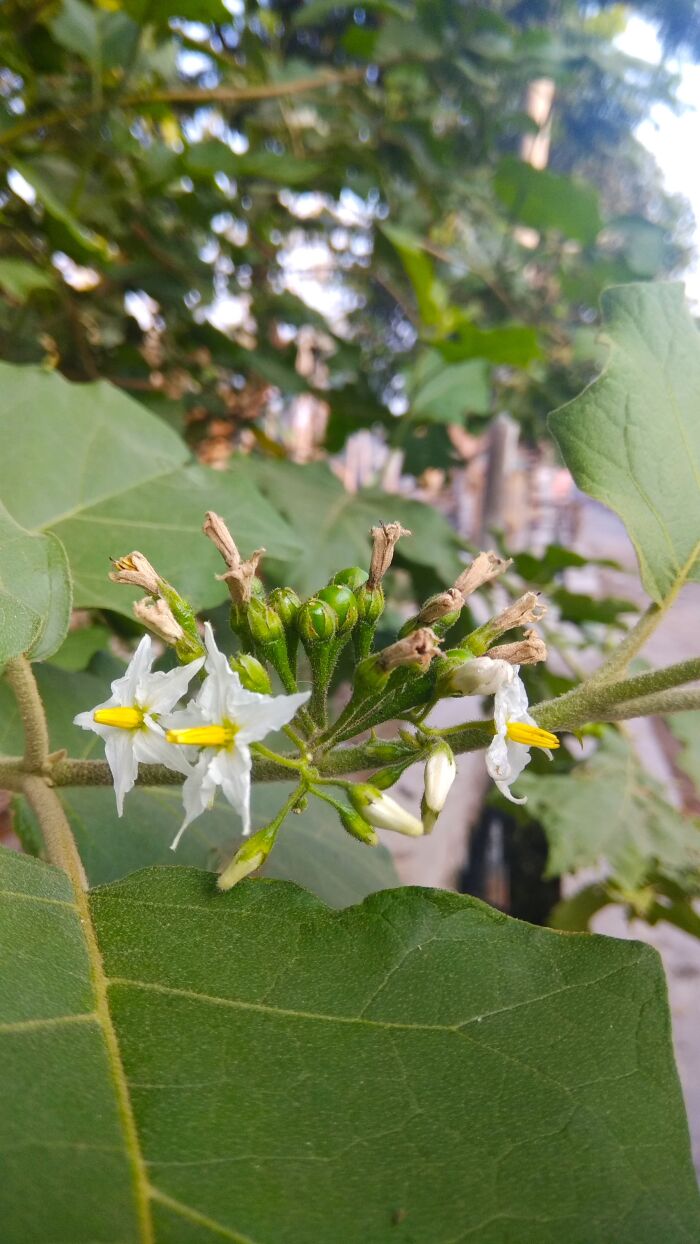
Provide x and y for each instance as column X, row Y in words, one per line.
column 182, row 718
column 217, row 664
column 160, row 692
column 124, row 689
column 231, row 769
column 505, row 791
column 151, row 749
column 510, row 702
column 119, row 750
column 197, row 794
column 263, row 713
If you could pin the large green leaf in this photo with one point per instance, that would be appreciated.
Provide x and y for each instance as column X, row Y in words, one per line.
column 35, row 591
column 106, row 476
column 333, row 525
column 180, row 1065
column 610, row 809
column 632, row 439
column 546, row 200
column 312, row 849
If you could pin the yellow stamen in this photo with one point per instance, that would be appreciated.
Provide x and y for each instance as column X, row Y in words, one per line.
column 531, row 736
column 126, row 718
column 203, row 736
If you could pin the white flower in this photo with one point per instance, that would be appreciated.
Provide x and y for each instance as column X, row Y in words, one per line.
column 482, row 676
column 516, row 733
column 129, row 720
column 223, row 719
column 440, row 773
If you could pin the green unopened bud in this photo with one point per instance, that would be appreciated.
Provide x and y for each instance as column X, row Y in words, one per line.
column 352, row 577
column 356, row 825
column 342, row 601
column 316, row 622
column 286, row 603
column 384, row 812
column 252, row 673
column 250, row 856
column 264, row 624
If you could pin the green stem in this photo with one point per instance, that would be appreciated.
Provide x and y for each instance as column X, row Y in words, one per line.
column 20, row 676
column 287, row 762
column 593, row 701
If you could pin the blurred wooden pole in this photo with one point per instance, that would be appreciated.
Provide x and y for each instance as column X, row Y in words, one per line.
column 504, row 434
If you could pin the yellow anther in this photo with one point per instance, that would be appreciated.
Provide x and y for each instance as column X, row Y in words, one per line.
column 122, row 718
column 531, row 736
column 203, row 736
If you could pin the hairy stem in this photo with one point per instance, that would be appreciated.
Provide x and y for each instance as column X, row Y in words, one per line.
column 20, row 676
column 594, row 701
column 58, row 838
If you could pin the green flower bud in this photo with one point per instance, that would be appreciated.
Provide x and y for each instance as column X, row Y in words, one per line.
column 358, row 827
column 253, row 675
column 316, row 622
column 250, row 856
column 353, row 577
column 264, row 623
column 286, row 603
column 342, row 602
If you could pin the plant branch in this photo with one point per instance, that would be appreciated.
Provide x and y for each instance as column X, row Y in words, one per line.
column 58, row 838
column 19, row 675
column 594, row 701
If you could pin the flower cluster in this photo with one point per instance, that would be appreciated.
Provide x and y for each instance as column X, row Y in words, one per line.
column 212, row 741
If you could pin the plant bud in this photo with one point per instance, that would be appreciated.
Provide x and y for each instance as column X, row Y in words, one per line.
column 463, row 674
column 440, row 773
column 316, row 622
column 384, row 812
column 358, row 827
column 342, row 601
column 370, row 603
column 264, row 624
column 250, row 856
column 286, row 603
column 440, row 612
column 384, row 540
column 526, row 609
column 252, row 673
column 352, row 577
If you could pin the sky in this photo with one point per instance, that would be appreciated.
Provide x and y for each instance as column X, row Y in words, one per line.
column 673, row 139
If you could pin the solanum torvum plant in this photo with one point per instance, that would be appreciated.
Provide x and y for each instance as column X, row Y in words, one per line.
column 192, row 1052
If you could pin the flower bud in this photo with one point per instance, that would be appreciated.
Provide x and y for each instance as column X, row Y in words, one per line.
column 485, row 567
column 286, row 603
column 384, row 540
column 479, row 676
column 316, row 622
column 440, row 773
column 264, row 624
column 342, row 601
column 358, row 827
column 440, row 612
column 352, row 577
column 252, row 673
column 527, row 651
column 383, row 811
column 250, row 856
column 136, row 571
column 526, row 609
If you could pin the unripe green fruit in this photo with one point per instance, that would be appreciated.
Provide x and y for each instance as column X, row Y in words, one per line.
column 352, row 577
column 264, row 624
column 253, row 675
column 342, row 602
column 286, row 603
column 316, row 622
column 370, row 603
